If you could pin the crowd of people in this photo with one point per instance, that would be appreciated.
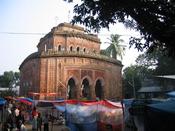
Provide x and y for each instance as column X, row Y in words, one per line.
column 37, row 121
column 16, row 115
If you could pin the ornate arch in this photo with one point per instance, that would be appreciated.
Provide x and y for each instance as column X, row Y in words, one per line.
column 73, row 77
column 99, row 88
column 101, row 79
column 71, row 87
column 89, row 79
column 86, row 85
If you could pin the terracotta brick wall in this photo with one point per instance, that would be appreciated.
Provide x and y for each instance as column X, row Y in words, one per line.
column 51, row 73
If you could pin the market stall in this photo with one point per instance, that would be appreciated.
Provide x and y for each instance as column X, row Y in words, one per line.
column 92, row 115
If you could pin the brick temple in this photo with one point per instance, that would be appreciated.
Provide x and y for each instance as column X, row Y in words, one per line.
column 68, row 65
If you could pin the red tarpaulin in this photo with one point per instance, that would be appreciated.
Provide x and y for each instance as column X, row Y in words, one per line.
column 103, row 111
column 26, row 101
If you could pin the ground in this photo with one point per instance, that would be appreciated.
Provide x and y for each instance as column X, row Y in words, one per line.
column 55, row 127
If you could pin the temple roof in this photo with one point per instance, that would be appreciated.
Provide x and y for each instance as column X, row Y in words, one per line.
column 69, row 30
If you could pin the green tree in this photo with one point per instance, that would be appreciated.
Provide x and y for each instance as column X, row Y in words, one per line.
column 8, row 93
column 159, row 63
column 131, row 81
column 154, row 19
column 147, row 60
column 9, row 78
column 115, row 48
column 103, row 52
column 133, row 77
column 148, row 65
column 165, row 66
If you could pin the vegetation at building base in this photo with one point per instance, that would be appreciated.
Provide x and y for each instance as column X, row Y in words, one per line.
column 154, row 19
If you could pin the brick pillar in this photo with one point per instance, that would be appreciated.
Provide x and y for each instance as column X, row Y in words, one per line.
column 92, row 92
column 78, row 91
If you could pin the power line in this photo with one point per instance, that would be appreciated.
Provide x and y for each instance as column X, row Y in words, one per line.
column 114, row 33
column 29, row 33
column 21, row 33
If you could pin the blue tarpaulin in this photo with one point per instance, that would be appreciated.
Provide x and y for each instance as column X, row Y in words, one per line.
column 160, row 116
column 82, row 127
column 60, row 108
column 2, row 101
column 171, row 94
column 167, row 106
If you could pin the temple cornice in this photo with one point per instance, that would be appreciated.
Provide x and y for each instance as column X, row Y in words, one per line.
column 52, row 53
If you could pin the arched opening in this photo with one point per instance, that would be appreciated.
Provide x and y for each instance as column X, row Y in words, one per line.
column 71, row 48
column 59, row 48
column 99, row 90
column 78, row 49
column 84, row 50
column 85, row 89
column 71, row 91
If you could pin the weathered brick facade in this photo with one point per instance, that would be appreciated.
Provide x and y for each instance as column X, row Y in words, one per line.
column 68, row 61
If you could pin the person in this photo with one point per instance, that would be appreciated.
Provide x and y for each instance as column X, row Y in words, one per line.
column 34, row 123
column 19, row 120
column 46, row 123
column 10, row 122
column 10, row 105
column 17, row 111
column 39, row 122
column 9, row 110
column 34, row 112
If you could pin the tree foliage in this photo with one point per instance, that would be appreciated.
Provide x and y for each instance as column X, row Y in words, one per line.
column 131, row 81
column 8, row 93
column 165, row 66
column 154, row 19
column 148, row 65
column 134, row 76
column 147, row 60
column 9, row 78
column 115, row 47
column 159, row 63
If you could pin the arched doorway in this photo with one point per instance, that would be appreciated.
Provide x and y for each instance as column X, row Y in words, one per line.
column 71, row 89
column 99, row 89
column 85, row 89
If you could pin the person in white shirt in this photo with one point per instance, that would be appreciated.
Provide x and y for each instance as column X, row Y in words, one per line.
column 17, row 112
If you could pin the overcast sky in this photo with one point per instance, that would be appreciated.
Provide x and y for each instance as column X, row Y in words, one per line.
column 23, row 23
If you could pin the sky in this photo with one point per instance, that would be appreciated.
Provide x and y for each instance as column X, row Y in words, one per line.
column 24, row 22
